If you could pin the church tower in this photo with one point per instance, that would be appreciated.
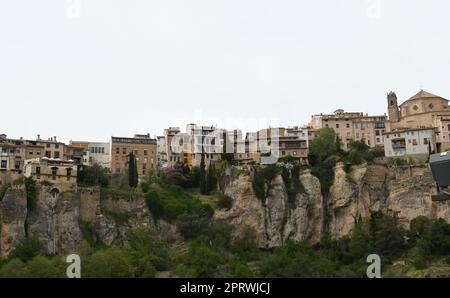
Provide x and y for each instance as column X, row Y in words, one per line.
column 394, row 114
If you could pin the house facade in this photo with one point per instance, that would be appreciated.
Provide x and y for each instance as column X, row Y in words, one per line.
column 143, row 147
column 353, row 126
column 414, row 142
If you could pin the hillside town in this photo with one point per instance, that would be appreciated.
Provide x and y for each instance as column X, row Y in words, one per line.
column 410, row 130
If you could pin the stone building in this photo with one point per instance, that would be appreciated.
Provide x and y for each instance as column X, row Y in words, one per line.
column 14, row 152
column 171, row 146
column 61, row 174
column 413, row 142
column 143, row 147
column 11, row 160
column 198, row 139
column 423, row 110
column 276, row 142
column 352, row 126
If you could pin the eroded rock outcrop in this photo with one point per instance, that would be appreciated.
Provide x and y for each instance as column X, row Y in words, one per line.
column 277, row 218
column 299, row 213
column 13, row 213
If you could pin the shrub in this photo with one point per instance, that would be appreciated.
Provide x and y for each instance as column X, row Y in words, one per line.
column 32, row 192
column 262, row 178
column 28, row 249
column 93, row 176
column 116, row 193
column 110, row 262
column 3, row 189
column 171, row 201
column 225, row 202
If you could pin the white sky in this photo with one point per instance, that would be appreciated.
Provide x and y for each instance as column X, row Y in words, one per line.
column 136, row 66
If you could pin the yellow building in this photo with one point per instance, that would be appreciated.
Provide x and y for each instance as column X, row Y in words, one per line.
column 143, row 147
column 353, row 126
column 423, row 110
column 61, row 174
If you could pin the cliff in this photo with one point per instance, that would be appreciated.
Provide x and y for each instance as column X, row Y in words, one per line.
column 353, row 194
column 64, row 221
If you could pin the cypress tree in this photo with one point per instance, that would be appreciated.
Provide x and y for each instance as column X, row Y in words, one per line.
column 211, row 179
column 132, row 171
column 203, row 184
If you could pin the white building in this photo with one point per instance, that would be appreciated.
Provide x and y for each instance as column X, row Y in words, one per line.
column 98, row 153
column 303, row 133
column 208, row 139
column 161, row 151
column 414, row 142
column 171, row 145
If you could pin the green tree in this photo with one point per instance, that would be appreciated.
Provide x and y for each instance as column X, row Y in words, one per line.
column 110, row 262
column 211, row 180
column 133, row 177
column 28, row 249
column 324, row 144
column 203, row 182
column 93, row 176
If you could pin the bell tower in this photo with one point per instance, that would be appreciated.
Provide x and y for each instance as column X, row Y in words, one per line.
column 393, row 111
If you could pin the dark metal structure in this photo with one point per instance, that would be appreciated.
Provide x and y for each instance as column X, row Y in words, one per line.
column 440, row 168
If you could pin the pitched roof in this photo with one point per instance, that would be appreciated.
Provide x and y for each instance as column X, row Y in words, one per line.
column 423, row 95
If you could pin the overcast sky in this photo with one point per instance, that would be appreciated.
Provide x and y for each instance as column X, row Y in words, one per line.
column 89, row 69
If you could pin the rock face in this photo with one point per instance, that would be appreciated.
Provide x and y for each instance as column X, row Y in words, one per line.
column 13, row 213
column 61, row 221
column 277, row 218
column 55, row 220
column 406, row 190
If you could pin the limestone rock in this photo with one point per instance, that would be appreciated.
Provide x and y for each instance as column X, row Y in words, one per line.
column 13, row 213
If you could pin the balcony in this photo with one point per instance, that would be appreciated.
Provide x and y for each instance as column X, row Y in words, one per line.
column 399, row 144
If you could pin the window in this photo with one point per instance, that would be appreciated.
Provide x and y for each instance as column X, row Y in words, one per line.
column 378, row 140
column 448, row 128
column 56, row 146
column 48, row 154
column 145, row 152
column 425, row 141
column 4, row 164
column 347, row 125
column 117, row 150
column 56, row 154
column 54, row 172
column 337, row 125
column 415, row 108
column 431, row 106
column 295, row 152
column 283, row 152
column 48, row 146
column 124, row 150
column 69, row 173
column 377, row 132
column 414, row 142
column 38, row 172
column 17, row 164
